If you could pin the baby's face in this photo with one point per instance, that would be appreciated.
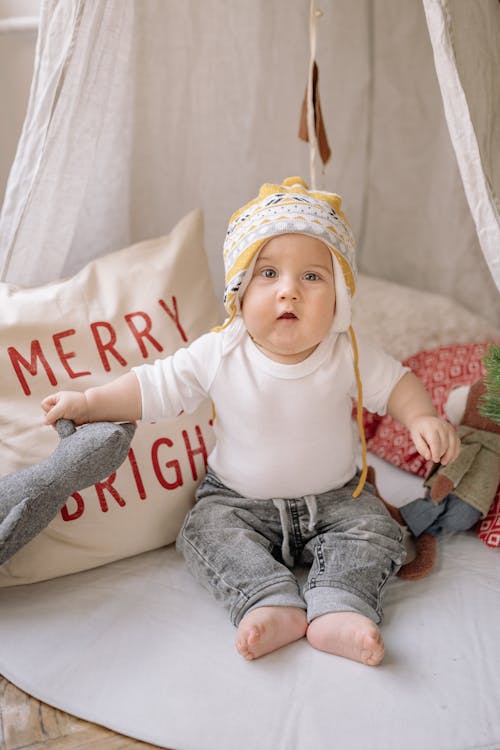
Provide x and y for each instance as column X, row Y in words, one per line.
column 289, row 304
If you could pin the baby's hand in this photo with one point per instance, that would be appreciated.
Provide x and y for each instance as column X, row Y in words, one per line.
column 66, row 405
column 435, row 439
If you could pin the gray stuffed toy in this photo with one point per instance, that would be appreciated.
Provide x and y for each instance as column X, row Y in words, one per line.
column 32, row 497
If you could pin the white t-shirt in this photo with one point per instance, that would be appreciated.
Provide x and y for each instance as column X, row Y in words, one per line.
column 281, row 430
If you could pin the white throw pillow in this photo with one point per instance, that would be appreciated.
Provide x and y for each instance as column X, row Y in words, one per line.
column 404, row 321
column 129, row 307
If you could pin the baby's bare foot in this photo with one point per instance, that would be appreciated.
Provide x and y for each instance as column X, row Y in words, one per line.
column 266, row 629
column 347, row 634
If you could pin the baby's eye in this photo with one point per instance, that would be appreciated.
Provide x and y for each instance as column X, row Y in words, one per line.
column 311, row 276
column 268, row 273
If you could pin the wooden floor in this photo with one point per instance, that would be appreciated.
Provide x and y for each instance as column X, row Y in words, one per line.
column 28, row 724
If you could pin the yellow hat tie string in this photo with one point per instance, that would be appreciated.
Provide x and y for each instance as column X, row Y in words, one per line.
column 359, row 415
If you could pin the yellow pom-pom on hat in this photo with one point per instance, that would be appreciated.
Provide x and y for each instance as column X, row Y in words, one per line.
column 291, row 181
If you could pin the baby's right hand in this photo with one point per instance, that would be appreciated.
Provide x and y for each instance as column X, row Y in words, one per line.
column 66, row 405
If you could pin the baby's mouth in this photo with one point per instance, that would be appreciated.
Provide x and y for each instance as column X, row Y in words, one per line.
column 287, row 316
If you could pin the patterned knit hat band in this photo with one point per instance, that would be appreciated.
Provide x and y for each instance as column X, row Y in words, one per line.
column 285, row 209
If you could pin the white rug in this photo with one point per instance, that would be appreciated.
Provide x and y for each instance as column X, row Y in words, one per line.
column 139, row 647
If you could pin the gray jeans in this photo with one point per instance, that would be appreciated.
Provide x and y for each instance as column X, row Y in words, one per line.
column 243, row 549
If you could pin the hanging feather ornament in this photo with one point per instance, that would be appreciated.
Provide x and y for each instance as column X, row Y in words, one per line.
column 312, row 126
column 319, row 125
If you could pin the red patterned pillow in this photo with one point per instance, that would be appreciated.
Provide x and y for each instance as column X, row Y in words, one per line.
column 488, row 530
column 441, row 370
column 371, row 422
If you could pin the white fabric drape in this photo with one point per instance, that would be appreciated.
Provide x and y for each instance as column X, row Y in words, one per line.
column 417, row 228
column 140, row 111
column 466, row 44
column 74, row 141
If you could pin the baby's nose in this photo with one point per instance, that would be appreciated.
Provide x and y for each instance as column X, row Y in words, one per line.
column 288, row 289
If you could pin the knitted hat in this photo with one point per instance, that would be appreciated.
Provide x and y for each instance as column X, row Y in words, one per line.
column 290, row 208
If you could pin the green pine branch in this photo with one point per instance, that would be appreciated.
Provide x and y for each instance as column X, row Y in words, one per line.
column 489, row 405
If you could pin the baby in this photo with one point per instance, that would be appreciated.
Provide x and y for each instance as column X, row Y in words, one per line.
column 282, row 487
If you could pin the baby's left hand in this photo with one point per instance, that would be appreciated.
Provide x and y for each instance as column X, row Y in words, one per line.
column 435, row 439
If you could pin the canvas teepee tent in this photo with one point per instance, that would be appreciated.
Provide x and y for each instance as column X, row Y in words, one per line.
column 140, row 111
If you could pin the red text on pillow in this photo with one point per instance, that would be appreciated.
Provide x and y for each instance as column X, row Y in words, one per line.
column 168, row 473
column 105, row 344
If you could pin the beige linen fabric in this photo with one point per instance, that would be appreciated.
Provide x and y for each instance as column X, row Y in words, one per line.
column 139, row 111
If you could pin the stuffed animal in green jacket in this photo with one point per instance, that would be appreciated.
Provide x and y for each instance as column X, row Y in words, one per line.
column 462, row 492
